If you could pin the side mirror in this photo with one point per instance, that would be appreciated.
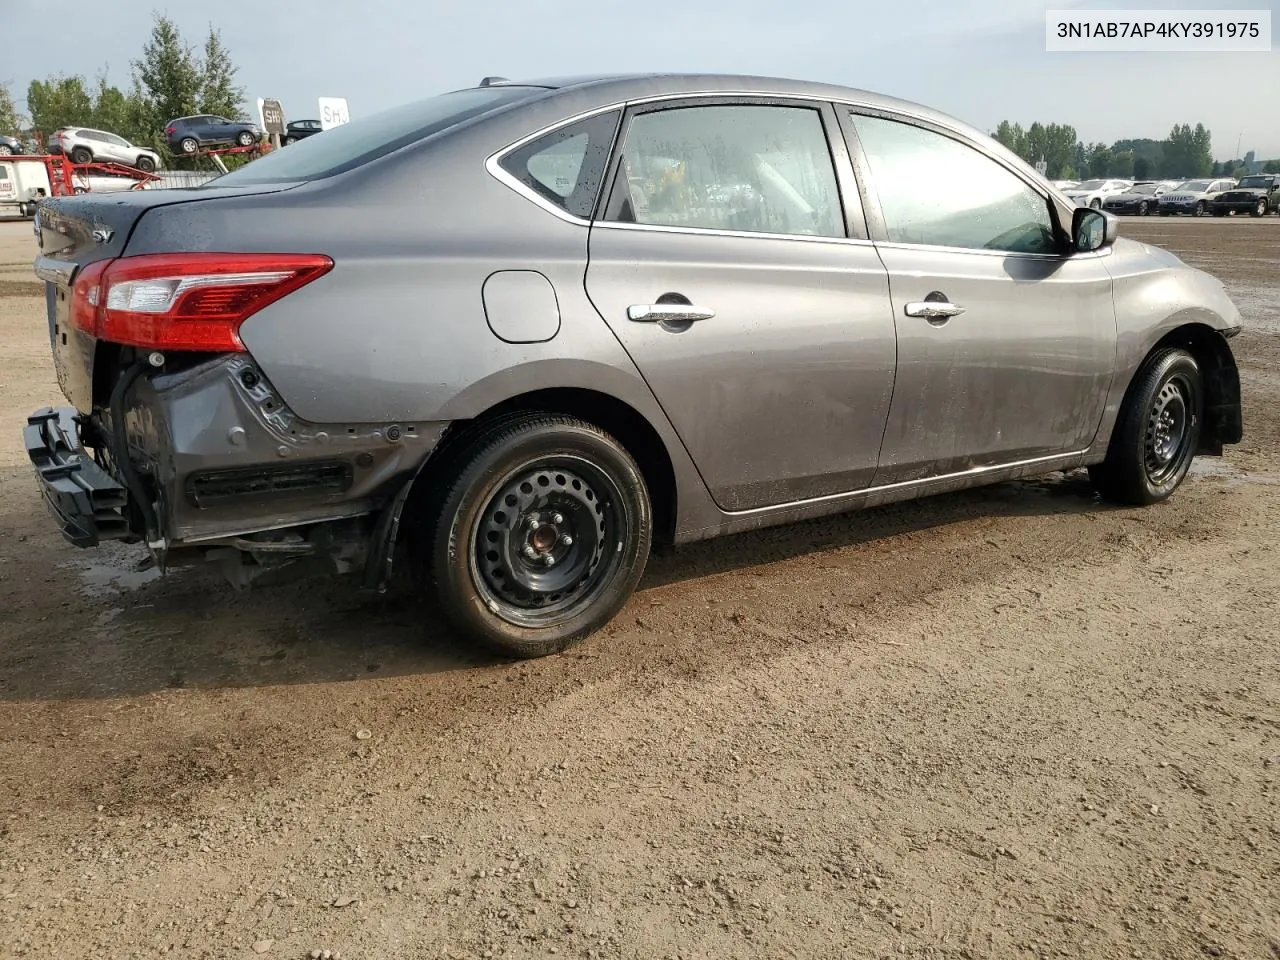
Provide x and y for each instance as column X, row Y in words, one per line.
column 1092, row 229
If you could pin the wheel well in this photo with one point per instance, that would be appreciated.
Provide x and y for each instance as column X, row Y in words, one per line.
column 610, row 414
column 1221, row 382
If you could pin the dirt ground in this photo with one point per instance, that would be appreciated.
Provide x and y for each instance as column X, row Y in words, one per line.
column 1007, row 723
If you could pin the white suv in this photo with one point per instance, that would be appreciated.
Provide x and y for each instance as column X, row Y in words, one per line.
column 1090, row 193
column 86, row 145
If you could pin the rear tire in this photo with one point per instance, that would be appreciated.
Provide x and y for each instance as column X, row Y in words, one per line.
column 81, row 155
column 543, row 531
column 1143, row 209
column 1157, row 432
column 189, row 145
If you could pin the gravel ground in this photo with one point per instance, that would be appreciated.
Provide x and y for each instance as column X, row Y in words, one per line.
column 1013, row 722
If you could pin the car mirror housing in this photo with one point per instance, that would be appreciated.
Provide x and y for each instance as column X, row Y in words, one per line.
column 1093, row 229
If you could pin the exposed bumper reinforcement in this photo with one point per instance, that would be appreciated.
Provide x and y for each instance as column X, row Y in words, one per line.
column 89, row 504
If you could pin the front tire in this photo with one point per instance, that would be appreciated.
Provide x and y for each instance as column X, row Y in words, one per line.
column 146, row 164
column 542, row 534
column 1143, row 209
column 1261, row 209
column 1200, row 208
column 1095, row 204
column 1157, row 433
column 245, row 138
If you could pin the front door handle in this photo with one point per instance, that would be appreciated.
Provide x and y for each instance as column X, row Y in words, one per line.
column 933, row 309
column 674, row 312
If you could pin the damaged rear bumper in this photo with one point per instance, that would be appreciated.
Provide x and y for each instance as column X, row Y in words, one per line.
column 88, row 503
column 218, row 465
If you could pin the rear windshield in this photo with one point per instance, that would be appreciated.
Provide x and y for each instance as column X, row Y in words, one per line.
column 352, row 144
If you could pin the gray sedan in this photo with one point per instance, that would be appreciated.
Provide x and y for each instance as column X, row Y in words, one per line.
column 527, row 329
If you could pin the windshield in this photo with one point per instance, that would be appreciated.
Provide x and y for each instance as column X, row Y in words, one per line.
column 1254, row 182
column 360, row 141
column 1089, row 185
column 1195, row 186
column 1145, row 188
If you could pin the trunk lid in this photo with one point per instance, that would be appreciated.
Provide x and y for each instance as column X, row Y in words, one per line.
column 73, row 232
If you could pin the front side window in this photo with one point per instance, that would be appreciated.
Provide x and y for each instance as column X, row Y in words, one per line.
column 567, row 166
column 938, row 191
column 756, row 169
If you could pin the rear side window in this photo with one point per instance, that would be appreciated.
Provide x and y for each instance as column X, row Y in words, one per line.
column 368, row 138
column 741, row 168
column 566, row 167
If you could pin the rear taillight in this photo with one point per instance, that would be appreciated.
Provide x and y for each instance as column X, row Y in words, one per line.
column 170, row 129
column 86, row 296
column 185, row 301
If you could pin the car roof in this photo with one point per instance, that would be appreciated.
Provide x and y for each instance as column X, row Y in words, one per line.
column 610, row 88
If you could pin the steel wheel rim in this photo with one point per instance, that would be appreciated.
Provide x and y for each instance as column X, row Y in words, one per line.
column 548, row 540
column 1168, row 430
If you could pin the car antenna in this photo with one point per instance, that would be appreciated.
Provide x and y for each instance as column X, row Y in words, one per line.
column 490, row 81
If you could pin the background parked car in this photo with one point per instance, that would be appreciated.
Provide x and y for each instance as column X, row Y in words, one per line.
column 87, row 145
column 10, row 146
column 1142, row 199
column 189, row 134
column 1091, row 193
column 1065, row 184
column 1193, row 196
column 301, row 129
column 1258, row 195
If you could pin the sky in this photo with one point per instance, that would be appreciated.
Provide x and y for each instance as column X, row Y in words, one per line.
column 980, row 60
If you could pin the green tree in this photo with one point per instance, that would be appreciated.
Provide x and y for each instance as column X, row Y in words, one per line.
column 168, row 73
column 1060, row 149
column 1271, row 166
column 1187, row 152
column 1012, row 136
column 219, row 93
column 1121, row 164
column 11, row 122
column 1099, row 160
column 59, row 101
column 1141, row 168
column 120, row 112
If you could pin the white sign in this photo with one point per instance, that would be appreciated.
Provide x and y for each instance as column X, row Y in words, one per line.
column 333, row 112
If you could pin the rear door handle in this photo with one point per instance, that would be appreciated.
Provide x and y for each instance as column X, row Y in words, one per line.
column 658, row 312
column 933, row 309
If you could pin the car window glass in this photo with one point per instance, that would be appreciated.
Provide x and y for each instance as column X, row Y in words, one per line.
column 368, row 138
column 566, row 167
column 755, row 169
column 987, row 208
